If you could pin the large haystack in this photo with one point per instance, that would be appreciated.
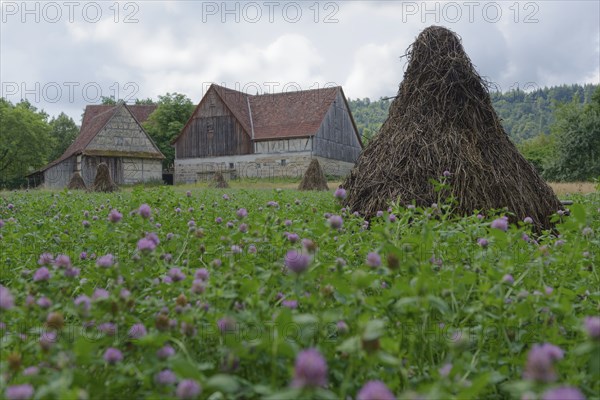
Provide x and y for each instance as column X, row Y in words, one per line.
column 314, row 177
column 103, row 181
column 218, row 181
column 76, row 182
column 443, row 120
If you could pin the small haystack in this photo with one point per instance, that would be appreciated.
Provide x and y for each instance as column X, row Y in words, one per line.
column 76, row 182
column 443, row 120
column 218, row 181
column 314, row 177
column 103, row 181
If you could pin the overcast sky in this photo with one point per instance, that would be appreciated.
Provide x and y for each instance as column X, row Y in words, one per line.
column 62, row 56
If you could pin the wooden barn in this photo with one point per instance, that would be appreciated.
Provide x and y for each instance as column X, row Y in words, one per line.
column 112, row 134
column 269, row 135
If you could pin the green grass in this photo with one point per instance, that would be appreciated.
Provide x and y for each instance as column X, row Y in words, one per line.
column 434, row 319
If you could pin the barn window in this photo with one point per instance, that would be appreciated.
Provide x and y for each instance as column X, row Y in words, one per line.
column 283, row 163
column 230, row 165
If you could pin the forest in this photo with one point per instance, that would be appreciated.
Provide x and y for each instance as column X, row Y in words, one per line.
column 557, row 129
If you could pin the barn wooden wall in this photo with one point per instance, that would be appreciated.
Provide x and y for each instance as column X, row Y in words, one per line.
column 89, row 165
column 336, row 138
column 213, row 131
column 58, row 176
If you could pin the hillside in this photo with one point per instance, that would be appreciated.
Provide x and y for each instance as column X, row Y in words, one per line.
column 524, row 114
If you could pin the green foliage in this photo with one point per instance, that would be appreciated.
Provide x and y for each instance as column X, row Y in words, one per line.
column 576, row 132
column 538, row 151
column 24, row 141
column 369, row 116
column 524, row 115
column 166, row 122
column 63, row 132
column 438, row 319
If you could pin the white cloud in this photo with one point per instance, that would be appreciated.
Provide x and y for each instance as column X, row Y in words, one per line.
column 376, row 69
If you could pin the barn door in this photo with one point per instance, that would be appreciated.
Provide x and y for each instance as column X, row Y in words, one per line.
column 115, row 166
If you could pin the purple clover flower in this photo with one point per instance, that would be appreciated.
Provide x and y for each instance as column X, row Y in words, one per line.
column 176, row 275
column 340, row 193
column 242, row 213
column 293, row 237
column 188, row 389
column 114, row 216
column 592, row 326
column 508, row 278
column 83, row 302
column 6, row 299
column 297, row 262
column 42, row 274
column 201, row 273
column 19, row 392
column 310, row 369
column 226, row 324
column 483, row 242
column 137, row 331
column 336, row 222
column 563, row 393
column 291, row 304
column 165, row 352
column 146, row 245
column 100, row 294
column 145, row 211
column 373, row 260
column 112, row 355
column 44, row 302
column 46, row 259
column 165, row 377
column 106, row 261
column 198, row 286
column 31, row 371
column 540, row 362
column 62, row 261
column 47, row 340
column 342, row 327
column 375, row 390
column 500, row 223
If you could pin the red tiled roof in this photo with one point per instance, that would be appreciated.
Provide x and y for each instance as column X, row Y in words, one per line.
column 278, row 115
column 94, row 119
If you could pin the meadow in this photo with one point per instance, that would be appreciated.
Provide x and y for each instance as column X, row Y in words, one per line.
column 279, row 294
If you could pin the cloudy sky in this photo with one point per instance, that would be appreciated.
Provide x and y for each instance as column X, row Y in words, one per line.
column 64, row 55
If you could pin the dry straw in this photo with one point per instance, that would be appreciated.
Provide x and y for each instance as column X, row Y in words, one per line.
column 443, row 120
column 103, row 181
column 76, row 182
column 218, row 181
column 314, row 177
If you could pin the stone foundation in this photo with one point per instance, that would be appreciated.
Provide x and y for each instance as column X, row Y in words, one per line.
column 266, row 166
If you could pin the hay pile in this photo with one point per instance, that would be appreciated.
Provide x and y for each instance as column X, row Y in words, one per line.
column 76, row 182
column 443, row 120
column 218, row 181
column 314, row 178
column 103, row 181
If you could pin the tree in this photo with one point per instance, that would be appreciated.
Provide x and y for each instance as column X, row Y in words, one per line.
column 577, row 136
column 165, row 123
column 538, row 151
column 108, row 101
column 147, row 101
column 24, row 138
column 63, row 132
